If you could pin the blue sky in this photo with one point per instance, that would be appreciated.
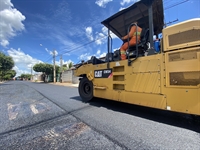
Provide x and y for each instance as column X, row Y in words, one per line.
column 31, row 29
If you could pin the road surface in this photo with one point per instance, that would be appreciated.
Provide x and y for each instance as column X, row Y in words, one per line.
column 46, row 116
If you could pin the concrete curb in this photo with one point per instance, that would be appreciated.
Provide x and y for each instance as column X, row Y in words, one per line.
column 65, row 84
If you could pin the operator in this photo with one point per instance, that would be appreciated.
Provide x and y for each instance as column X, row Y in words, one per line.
column 132, row 40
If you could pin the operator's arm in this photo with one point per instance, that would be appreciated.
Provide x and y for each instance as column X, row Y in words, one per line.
column 131, row 32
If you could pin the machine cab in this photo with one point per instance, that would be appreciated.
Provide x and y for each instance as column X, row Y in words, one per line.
column 148, row 14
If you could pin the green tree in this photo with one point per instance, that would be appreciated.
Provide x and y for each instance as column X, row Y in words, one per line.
column 39, row 67
column 48, row 69
column 70, row 65
column 64, row 67
column 45, row 68
column 67, row 66
column 6, row 64
column 26, row 76
column 9, row 74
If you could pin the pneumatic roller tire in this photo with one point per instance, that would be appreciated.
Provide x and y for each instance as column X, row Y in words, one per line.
column 86, row 89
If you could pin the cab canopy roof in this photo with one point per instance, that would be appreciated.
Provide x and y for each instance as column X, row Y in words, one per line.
column 139, row 11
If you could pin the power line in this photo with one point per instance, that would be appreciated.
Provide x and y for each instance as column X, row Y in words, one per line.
column 73, row 45
column 74, row 48
column 173, row 5
column 83, row 45
column 49, row 58
column 165, row 2
column 171, row 22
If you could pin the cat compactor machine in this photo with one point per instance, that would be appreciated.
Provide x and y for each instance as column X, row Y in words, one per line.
column 168, row 80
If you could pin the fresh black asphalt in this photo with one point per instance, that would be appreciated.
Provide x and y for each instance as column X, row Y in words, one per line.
column 46, row 116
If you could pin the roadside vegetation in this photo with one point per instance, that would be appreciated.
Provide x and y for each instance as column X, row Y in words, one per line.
column 25, row 76
column 6, row 67
column 47, row 69
column 67, row 66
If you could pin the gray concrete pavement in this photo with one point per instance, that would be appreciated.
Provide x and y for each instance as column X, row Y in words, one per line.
column 54, row 117
column 64, row 84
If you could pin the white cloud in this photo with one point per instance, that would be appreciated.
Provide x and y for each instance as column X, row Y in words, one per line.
column 57, row 63
column 99, row 55
column 102, row 3
column 103, row 54
column 67, row 54
column 116, row 49
column 19, row 72
column 67, row 62
column 89, row 33
column 51, row 52
column 4, row 43
column 101, row 37
column 64, row 62
column 128, row 1
column 11, row 22
column 98, row 52
column 113, row 35
column 89, row 30
column 5, row 4
column 85, row 56
column 121, row 8
column 105, row 32
column 46, row 49
column 23, row 62
column 56, row 53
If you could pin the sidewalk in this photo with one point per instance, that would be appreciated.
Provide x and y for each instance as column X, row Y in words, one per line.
column 64, row 84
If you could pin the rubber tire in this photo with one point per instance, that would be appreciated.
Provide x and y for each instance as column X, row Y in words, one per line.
column 85, row 89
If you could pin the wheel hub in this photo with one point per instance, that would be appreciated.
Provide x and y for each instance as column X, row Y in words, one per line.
column 87, row 88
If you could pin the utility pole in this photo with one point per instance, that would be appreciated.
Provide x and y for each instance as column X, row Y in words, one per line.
column 61, row 68
column 54, row 66
column 31, row 72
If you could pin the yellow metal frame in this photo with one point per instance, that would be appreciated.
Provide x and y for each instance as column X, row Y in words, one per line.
column 147, row 81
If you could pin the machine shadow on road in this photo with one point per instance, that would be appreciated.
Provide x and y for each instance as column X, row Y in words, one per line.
column 78, row 98
column 171, row 118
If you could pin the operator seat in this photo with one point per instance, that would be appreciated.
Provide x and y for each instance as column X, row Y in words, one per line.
column 142, row 46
